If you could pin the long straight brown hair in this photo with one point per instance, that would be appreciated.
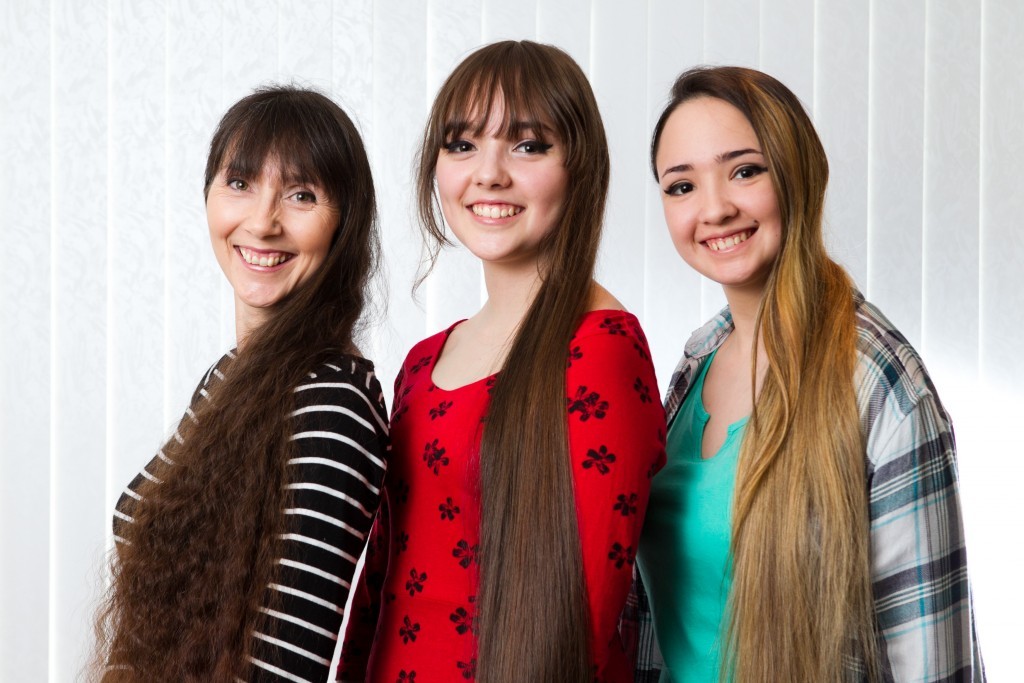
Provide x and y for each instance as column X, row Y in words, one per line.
column 801, row 599
column 190, row 577
column 532, row 607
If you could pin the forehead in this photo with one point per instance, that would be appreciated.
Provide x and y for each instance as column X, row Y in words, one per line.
column 703, row 128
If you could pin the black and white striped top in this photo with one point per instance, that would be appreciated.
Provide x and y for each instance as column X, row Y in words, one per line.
column 341, row 433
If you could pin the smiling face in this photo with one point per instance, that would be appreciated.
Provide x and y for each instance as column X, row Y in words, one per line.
column 501, row 195
column 270, row 234
column 718, row 197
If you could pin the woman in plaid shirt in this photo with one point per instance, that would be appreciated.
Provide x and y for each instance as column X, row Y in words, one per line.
column 807, row 526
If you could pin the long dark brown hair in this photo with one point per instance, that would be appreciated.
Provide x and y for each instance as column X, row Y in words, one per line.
column 189, row 579
column 801, row 599
column 532, row 606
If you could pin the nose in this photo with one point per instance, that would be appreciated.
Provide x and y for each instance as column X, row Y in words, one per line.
column 264, row 220
column 491, row 169
column 717, row 206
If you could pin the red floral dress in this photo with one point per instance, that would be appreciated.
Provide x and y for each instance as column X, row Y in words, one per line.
column 413, row 610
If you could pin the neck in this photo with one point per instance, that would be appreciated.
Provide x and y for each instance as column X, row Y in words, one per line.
column 743, row 306
column 510, row 292
column 246, row 321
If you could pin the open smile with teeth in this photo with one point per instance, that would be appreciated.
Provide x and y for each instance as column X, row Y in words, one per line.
column 265, row 259
column 495, row 210
column 728, row 242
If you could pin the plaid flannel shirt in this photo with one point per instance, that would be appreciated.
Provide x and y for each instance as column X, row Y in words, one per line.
column 924, row 621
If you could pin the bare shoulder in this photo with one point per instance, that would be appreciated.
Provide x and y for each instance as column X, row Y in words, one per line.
column 603, row 300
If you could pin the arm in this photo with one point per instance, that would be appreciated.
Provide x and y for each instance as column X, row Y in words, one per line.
column 923, row 610
column 334, row 481
column 366, row 603
column 616, row 438
column 361, row 630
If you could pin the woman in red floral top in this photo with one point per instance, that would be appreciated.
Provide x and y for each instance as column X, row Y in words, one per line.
column 524, row 438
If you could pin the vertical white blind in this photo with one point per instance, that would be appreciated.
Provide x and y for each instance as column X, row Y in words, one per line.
column 113, row 305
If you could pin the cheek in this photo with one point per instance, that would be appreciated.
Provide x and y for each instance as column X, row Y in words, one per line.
column 449, row 184
column 681, row 225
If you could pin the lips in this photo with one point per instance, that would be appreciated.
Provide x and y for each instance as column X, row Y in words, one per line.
column 264, row 259
column 495, row 210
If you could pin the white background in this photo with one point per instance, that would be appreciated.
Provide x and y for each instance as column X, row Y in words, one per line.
column 112, row 305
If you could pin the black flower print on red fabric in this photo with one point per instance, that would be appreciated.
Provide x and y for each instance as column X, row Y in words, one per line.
column 415, row 583
column 587, row 404
column 613, row 327
column 489, row 384
column 468, row 669
column 642, row 390
column 626, row 505
column 400, row 407
column 404, row 677
column 463, row 622
column 420, row 364
column 401, row 542
column 408, row 630
column 574, row 354
column 639, row 339
column 621, row 556
column 448, row 509
column 600, row 460
column 465, row 553
column 434, row 456
column 440, row 410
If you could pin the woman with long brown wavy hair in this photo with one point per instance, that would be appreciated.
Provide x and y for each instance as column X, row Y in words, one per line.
column 525, row 436
column 237, row 543
column 807, row 526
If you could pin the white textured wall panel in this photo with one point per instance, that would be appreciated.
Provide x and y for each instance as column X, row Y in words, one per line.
column 193, row 282
column 305, row 41
column 26, row 188
column 842, row 42
column 895, row 157
column 79, row 323
column 620, row 94
column 136, row 190
column 566, row 23
column 399, row 109
column 950, row 239
column 786, row 43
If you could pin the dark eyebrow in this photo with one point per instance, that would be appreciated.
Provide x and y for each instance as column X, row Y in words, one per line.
column 723, row 157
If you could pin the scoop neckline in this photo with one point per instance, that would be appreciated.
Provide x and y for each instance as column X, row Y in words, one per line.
column 451, row 328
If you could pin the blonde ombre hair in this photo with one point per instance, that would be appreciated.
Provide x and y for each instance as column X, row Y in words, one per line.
column 801, row 599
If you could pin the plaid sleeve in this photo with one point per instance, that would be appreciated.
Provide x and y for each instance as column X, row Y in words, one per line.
column 923, row 605
column 637, row 630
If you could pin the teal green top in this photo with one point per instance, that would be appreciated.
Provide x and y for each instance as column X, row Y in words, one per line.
column 689, row 522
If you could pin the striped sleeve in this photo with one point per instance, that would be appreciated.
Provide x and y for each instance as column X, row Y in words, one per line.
column 924, row 615
column 340, row 432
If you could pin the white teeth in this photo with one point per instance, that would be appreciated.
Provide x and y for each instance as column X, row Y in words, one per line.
column 262, row 260
column 495, row 211
column 730, row 241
